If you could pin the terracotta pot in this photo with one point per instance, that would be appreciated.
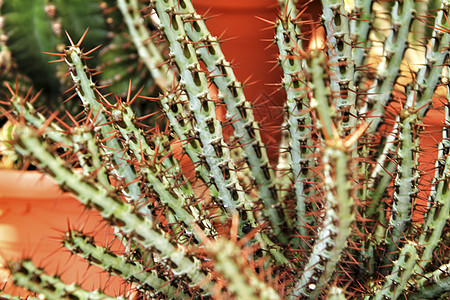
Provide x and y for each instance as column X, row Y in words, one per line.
column 34, row 214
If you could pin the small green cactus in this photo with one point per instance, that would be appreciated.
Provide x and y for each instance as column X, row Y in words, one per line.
column 341, row 213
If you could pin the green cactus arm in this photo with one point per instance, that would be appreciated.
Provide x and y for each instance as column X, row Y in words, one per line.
column 239, row 112
column 432, row 285
column 396, row 282
column 359, row 28
column 131, row 271
column 336, row 228
column 117, row 212
column 377, row 213
column 298, row 120
column 85, row 85
column 160, row 176
column 429, row 75
column 417, row 103
column 341, row 64
column 382, row 173
column 174, row 106
column 405, row 183
column 25, row 274
column 81, row 137
column 284, row 174
column 85, row 89
column 207, row 126
column 147, row 50
column 438, row 211
column 233, row 266
column 338, row 204
column 389, row 68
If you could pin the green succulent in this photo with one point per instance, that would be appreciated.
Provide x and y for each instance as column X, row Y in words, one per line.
column 339, row 215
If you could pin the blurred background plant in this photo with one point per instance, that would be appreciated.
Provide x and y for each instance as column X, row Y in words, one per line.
column 30, row 28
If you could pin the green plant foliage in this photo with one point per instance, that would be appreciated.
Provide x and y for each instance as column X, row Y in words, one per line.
column 345, row 213
column 20, row 19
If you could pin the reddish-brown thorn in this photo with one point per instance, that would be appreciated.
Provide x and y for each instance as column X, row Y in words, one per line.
column 265, row 20
column 55, row 54
column 47, row 122
column 9, row 88
column 70, row 98
column 92, row 50
column 82, row 38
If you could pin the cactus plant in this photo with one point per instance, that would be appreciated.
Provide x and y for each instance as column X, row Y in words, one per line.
column 341, row 213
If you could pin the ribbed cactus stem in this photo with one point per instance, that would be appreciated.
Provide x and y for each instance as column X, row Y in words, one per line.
column 338, row 202
column 131, row 271
column 341, row 64
column 332, row 237
column 388, row 69
column 86, row 90
column 160, row 170
column 432, row 285
column 231, row 263
column 215, row 152
column 429, row 75
column 174, row 104
column 405, row 183
column 239, row 111
column 147, row 50
column 439, row 201
column 119, row 213
column 381, row 175
column 376, row 209
column 25, row 274
column 359, row 28
column 175, row 107
column 82, row 138
column 298, row 120
column 397, row 281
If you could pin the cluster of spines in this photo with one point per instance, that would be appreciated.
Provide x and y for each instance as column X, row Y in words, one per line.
column 232, row 262
column 338, row 215
column 25, row 273
column 299, row 148
column 239, row 110
column 132, row 271
column 185, row 41
column 388, row 69
column 122, row 215
column 341, row 64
